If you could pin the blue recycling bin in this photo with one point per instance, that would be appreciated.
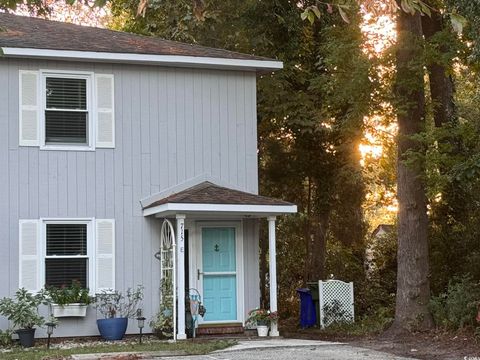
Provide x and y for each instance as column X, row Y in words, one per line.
column 308, row 314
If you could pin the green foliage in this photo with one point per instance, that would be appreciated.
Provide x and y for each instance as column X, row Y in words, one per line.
column 162, row 323
column 6, row 338
column 45, row 7
column 377, row 290
column 69, row 294
column 22, row 310
column 465, row 17
column 454, row 188
column 458, row 305
column 116, row 304
column 370, row 324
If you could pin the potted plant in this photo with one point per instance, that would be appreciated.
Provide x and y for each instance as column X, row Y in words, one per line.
column 69, row 301
column 22, row 311
column 261, row 319
column 116, row 309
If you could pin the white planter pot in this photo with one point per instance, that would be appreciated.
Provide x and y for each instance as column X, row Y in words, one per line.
column 262, row 330
column 69, row 310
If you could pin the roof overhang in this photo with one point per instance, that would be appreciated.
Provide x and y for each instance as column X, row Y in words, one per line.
column 144, row 59
column 169, row 209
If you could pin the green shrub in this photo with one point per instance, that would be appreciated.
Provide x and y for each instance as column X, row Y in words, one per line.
column 374, row 323
column 22, row 310
column 6, row 338
column 457, row 307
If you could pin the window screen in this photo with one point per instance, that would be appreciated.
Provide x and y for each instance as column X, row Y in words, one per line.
column 66, row 115
column 66, row 256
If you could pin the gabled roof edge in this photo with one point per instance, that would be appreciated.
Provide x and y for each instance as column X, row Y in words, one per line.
column 149, row 200
column 145, row 59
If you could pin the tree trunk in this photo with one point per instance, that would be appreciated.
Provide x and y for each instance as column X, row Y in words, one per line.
column 316, row 255
column 441, row 82
column 413, row 287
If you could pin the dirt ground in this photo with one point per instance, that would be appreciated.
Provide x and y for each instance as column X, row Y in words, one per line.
column 428, row 346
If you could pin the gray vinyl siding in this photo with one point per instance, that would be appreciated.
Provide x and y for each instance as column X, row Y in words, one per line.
column 171, row 125
column 251, row 260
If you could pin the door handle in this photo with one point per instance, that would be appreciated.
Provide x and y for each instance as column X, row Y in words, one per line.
column 198, row 274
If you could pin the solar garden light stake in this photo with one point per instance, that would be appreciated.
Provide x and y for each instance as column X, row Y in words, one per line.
column 141, row 323
column 50, row 327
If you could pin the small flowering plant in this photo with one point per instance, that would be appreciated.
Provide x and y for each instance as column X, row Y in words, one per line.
column 261, row 317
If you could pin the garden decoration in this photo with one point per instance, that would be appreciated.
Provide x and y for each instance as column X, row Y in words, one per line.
column 116, row 309
column 140, row 323
column 51, row 325
column 22, row 311
column 196, row 309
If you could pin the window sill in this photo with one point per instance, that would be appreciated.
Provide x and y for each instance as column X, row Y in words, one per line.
column 67, row 148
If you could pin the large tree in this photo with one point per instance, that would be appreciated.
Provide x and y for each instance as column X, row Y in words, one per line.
column 413, row 287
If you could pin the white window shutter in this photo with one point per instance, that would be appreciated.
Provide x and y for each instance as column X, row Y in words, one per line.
column 30, row 255
column 29, row 111
column 105, row 254
column 105, row 115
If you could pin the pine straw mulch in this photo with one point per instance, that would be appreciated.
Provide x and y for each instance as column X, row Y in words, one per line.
column 430, row 345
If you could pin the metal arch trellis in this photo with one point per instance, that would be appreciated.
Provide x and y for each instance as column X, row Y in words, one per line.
column 168, row 266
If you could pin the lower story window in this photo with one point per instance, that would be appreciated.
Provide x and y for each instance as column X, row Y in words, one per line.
column 57, row 252
column 67, row 254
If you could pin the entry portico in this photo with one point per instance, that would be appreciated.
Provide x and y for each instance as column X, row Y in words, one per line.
column 217, row 264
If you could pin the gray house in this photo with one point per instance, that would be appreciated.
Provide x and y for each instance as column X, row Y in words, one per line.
column 105, row 137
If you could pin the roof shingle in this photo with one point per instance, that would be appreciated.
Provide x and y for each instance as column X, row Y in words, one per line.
column 26, row 32
column 209, row 193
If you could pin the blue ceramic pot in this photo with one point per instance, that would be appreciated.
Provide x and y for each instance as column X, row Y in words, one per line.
column 112, row 329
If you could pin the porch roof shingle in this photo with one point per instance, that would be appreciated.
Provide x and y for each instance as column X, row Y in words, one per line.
column 209, row 193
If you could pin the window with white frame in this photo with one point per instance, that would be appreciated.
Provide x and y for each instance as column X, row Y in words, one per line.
column 56, row 252
column 66, row 110
column 67, row 253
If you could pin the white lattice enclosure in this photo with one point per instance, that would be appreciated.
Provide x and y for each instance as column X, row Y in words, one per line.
column 336, row 302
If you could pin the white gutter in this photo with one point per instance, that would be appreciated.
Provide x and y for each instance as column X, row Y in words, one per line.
column 221, row 208
column 163, row 60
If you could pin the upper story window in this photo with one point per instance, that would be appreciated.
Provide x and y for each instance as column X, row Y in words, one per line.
column 67, row 115
column 62, row 110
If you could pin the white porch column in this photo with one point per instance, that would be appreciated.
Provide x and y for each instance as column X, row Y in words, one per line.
column 273, row 272
column 181, row 276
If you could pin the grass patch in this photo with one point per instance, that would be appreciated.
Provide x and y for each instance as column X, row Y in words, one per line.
column 181, row 348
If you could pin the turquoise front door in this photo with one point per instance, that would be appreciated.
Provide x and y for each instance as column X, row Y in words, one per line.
column 219, row 273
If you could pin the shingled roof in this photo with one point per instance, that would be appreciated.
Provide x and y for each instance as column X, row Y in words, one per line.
column 209, row 193
column 32, row 33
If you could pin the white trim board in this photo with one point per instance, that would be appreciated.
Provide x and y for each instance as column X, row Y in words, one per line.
column 171, row 208
column 147, row 59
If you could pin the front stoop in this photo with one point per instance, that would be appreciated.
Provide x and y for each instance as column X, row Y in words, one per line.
column 220, row 329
